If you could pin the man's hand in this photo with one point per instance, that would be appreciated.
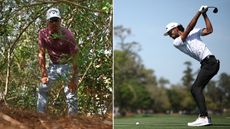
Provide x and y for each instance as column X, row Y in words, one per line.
column 203, row 9
column 44, row 80
column 72, row 85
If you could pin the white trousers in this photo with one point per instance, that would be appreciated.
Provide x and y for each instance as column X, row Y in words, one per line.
column 57, row 72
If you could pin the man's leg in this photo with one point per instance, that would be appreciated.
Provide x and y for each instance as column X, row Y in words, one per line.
column 71, row 101
column 71, row 97
column 42, row 97
column 197, row 92
column 208, row 70
column 44, row 88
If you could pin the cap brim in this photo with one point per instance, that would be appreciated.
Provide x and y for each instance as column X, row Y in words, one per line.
column 166, row 34
column 53, row 16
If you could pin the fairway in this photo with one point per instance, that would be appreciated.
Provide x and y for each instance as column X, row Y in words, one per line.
column 167, row 122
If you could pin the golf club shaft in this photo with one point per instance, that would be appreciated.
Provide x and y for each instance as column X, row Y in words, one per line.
column 215, row 10
column 211, row 7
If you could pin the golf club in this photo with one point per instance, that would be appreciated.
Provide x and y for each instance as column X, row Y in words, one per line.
column 215, row 10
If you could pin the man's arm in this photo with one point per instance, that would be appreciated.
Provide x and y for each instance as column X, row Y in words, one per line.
column 42, row 63
column 190, row 26
column 73, row 80
column 203, row 9
column 208, row 29
column 74, row 55
column 74, row 62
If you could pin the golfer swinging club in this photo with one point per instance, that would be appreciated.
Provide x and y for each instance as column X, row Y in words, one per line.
column 189, row 42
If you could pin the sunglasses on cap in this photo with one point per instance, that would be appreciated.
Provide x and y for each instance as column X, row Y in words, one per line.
column 54, row 19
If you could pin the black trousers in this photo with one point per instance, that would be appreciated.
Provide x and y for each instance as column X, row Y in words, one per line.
column 209, row 67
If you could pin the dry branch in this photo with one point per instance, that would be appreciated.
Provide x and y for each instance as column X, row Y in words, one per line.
column 12, row 121
column 43, row 123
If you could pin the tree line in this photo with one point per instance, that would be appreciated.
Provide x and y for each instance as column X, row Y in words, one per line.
column 137, row 89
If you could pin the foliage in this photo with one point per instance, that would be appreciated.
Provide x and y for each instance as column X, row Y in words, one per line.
column 218, row 93
column 224, row 88
column 187, row 79
column 135, row 87
column 91, row 23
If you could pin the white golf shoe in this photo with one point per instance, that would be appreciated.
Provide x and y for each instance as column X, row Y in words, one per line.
column 201, row 121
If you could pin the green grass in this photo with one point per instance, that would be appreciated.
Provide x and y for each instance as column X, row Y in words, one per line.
column 167, row 122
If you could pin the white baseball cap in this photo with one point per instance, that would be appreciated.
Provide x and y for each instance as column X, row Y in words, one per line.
column 170, row 26
column 52, row 12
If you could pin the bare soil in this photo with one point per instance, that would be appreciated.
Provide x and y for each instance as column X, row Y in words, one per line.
column 14, row 118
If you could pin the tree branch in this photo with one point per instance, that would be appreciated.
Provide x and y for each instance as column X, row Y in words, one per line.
column 23, row 30
column 62, row 1
column 12, row 121
column 85, row 72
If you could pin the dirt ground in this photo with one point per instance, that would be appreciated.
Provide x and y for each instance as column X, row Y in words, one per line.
column 11, row 118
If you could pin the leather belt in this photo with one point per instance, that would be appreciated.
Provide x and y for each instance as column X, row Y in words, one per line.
column 207, row 58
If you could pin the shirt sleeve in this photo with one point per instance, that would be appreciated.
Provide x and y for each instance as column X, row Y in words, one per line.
column 177, row 42
column 197, row 31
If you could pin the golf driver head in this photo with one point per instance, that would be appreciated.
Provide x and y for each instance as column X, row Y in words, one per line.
column 215, row 10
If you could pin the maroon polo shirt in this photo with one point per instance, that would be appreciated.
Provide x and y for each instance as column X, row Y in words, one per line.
column 58, row 46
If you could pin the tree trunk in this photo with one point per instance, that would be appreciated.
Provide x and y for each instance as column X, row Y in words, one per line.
column 7, row 75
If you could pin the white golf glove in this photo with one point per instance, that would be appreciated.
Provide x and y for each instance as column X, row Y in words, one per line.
column 203, row 8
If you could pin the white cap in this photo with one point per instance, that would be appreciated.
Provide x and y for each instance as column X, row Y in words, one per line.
column 52, row 12
column 170, row 26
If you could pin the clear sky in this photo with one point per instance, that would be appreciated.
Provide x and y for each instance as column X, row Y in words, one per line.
column 147, row 20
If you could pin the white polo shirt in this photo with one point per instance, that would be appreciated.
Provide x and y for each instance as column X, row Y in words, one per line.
column 193, row 45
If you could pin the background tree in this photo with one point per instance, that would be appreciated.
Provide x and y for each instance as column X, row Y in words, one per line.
column 187, row 79
column 163, row 82
column 135, row 87
column 127, row 67
column 214, row 97
column 224, row 87
column 175, row 98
